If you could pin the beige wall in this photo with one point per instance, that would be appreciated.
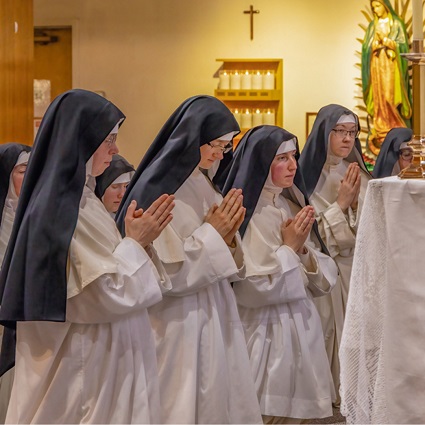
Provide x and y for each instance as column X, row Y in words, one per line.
column 150, row 55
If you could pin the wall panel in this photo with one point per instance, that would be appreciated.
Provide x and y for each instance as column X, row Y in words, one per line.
column 16, row 71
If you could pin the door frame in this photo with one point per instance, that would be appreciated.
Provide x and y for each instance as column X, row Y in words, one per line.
column 74, row 24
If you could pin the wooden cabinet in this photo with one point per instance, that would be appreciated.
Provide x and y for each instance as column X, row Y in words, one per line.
column 252, row 100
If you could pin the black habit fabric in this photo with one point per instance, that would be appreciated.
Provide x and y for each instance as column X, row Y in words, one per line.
column 250, row 168
column 33, row 279
column 219, row 178
column 251, row 163
column 9, row 154
column 174, row 153
column 390, row 151
column 315, row 151
column 119, row 166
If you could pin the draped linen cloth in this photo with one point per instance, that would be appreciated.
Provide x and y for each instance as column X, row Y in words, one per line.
column 381, row 354
column 99, row 366
column 203, row 363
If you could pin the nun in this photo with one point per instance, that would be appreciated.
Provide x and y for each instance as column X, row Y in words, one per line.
column 13, row 163
column 76, row 292
column 336, row 179
column 285, row 270
column 395, row 153
column 112, row 183
column 203, row 363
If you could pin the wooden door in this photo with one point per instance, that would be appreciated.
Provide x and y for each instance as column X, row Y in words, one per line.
column 53, row 58
column 16, row 71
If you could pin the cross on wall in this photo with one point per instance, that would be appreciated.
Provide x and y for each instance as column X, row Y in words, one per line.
column 251, row 12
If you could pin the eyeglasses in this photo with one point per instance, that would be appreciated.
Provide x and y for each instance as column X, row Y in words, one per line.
column 111, row 139
column 352, row 134
column 406, row 154
column 223, row 149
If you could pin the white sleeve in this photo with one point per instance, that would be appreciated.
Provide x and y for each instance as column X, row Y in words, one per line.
column 237, row 254
column 136, row 285
column 287, row 285
column 207, row 260
column 321, row 271
column 337, row 229
column 284, row 286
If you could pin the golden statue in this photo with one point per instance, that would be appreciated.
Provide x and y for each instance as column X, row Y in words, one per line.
column 385, row 78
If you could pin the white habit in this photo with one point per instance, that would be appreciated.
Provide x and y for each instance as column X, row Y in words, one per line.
column 203, row 363
column 338, row 231
column 99, row 366
column 282, row 326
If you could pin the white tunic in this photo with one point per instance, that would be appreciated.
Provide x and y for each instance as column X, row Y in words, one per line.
column 99, row 366
column 338, row 231
column 282, row 326
column 203, row 362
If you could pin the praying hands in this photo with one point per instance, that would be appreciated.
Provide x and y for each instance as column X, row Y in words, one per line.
column 228, row 217
column 146, row 226
column 295, row 231
column 348, row 194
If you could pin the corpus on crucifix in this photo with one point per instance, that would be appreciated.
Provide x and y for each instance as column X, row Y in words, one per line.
column 251, row 12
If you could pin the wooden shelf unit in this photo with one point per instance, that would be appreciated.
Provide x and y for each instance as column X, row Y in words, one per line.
column 254, row 99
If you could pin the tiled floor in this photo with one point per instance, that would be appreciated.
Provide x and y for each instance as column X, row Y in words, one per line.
column 336, row 419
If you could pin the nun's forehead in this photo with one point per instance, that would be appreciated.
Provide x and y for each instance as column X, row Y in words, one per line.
column 287, row 146
column 124, row 178
column 347, row 119
column 22, row 158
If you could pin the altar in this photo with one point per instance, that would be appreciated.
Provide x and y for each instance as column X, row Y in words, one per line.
column 383, row 344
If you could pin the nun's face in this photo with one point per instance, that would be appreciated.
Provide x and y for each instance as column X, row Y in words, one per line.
column 341, row 139
column 212, row 152
column 103, row 156
column 113, row 196
column 283, row 169
column 405, row 158
column 18, row 174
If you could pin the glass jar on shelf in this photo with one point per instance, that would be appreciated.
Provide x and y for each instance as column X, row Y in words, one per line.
column 235, row 80
column 268, row 80
column 246, row 119
column 246, row 80
column 257, row 80
column 224, row 80
column 269, row 117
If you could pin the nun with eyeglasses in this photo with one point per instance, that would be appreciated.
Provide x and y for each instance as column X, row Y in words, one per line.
column 336, row 179
column 395, row 153
column 204, row 370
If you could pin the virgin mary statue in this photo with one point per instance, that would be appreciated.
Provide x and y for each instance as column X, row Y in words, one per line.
column 385, row 79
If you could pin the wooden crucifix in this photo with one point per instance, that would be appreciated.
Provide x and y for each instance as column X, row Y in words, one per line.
column 251, row 11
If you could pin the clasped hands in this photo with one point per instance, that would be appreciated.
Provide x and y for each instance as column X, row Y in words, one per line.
column 295, row 231
column 145, row 226
column 228, row 217
column 348, row 193
column 383, row 42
